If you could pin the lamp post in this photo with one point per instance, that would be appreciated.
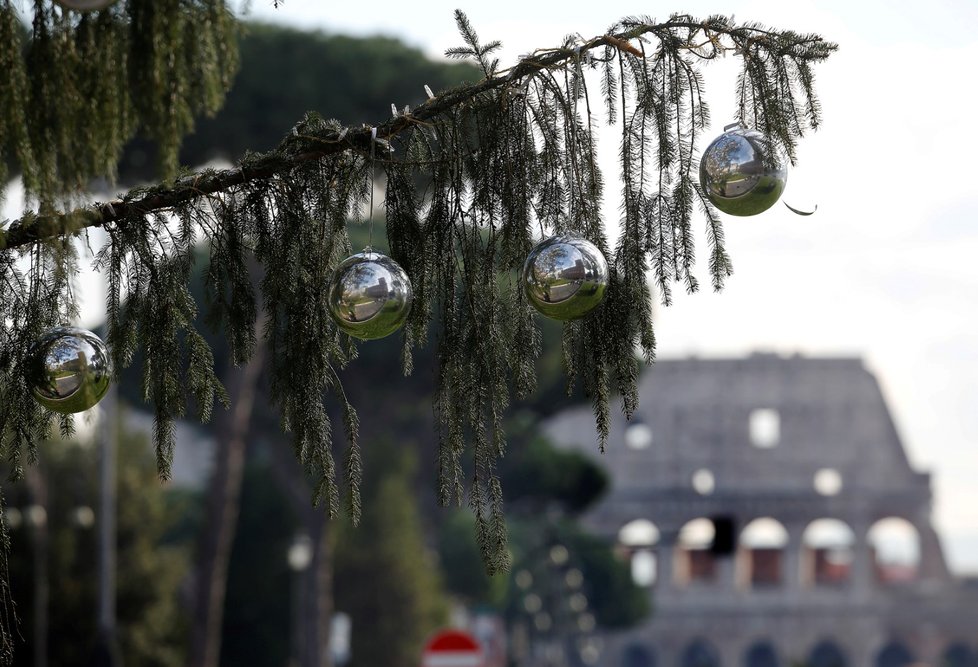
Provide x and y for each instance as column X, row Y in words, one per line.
column 299, row 557
column 554, row 623
column 106, row 651
column 36, row 518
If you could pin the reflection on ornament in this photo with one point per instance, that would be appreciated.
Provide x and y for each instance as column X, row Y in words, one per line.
column 565, row 277
column 69, row 370
column 85, row 5
column 742, row 173
column 369, row 295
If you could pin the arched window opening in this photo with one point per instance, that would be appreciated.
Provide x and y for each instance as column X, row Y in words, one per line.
column 827, row 482
column 644, row 568
column 763, row 542
column 636, row 655
column 700, row 653
column 765, row 428
column 638, row 533
column 703, row 482
column 761, row 654
column 828, row 553
column 638, row 539
column 894, row 655
column 827, row 654
column 694, row 560
column 895, row 545
column 959, row 655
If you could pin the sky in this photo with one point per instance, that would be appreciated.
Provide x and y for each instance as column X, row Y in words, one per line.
column 885, row 269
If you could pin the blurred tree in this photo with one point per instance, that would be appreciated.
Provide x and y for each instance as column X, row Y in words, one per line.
column 286, row 72
column 538, row 477
column 257, row 615
column 151, row 627
column 275, row 86
column 91, row 81
column 545, row 489
column 386, row 578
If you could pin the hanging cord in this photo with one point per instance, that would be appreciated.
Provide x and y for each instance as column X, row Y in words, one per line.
column 575, row 93
column 370, row 215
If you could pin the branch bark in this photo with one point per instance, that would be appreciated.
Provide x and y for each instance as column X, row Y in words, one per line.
column 32, row 228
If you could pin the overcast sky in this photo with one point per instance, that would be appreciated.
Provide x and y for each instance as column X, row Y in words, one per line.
column 886, row 267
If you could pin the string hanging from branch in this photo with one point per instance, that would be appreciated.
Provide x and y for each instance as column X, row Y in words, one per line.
column 475, row 177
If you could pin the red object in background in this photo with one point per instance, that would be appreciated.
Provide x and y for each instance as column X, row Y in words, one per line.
column 452, row 648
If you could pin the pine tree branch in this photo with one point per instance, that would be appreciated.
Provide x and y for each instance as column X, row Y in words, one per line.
column 32, row 228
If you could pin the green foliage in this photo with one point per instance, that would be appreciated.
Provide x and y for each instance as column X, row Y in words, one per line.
column 465, row 575
column 85, row 83
column 538, row 477
column 286, row 72
column 385, row 576
column 501, row 162
column 150, row 626
column 615, row 600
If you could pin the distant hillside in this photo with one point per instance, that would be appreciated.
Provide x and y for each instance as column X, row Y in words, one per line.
column 286, row 72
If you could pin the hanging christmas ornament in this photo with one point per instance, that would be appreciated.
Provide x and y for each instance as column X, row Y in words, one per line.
column 565, row 277
column 85, row 5
column 68, row 370
column 741, row 172
column 369, row 295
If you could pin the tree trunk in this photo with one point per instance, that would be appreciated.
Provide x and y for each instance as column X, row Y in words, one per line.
column 317, row 592
column 223, row 506
column 319, row 598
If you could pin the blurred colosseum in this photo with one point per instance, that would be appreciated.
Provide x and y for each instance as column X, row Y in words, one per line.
column 769, row 506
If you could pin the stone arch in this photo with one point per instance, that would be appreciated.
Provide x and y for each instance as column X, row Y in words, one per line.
column 959, row 655
column 762, row 543
column 894, row 654
column 828, row 550
column 895, row 546
column 761, row 654
column 637, row 655
column 694, row 561
column 827, row 654
column 699, row 653
column 639, row 539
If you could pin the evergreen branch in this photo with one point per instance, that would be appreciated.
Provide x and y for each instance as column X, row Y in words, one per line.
column 322, row 142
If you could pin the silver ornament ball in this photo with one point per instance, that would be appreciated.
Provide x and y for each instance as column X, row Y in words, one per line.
column 742, row 173
column 369, row 295
column 565, row 277
column 69, row 370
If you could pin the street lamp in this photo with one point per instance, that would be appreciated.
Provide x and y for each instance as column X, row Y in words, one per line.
column 299, row 558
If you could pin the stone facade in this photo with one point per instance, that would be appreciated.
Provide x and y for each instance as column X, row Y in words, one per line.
column 805, row 445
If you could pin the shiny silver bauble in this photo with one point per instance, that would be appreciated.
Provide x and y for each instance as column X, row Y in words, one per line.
column 565, row 277
column 742, row 173
column 370, row 295
column 85, row 5
column 69, row 370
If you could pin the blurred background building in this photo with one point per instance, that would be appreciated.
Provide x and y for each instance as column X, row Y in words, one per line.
column 768, row 506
